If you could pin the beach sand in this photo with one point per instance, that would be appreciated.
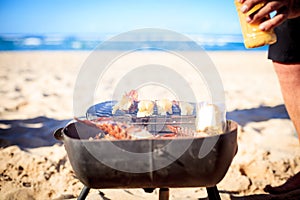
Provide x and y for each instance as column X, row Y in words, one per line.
column 37, row 97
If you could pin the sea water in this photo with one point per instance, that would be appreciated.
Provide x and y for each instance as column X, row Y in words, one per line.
column 20, row 42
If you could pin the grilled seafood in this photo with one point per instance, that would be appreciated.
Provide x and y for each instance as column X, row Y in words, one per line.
column 186, row 108
column 127, row 102
column 116, row 130
column 145, row 108
column 180, row 131
column 184, row 132
column 164, row 106
column 160, row 117
column 113, row 129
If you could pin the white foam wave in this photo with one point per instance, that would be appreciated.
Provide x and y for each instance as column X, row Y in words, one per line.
column 32, row 41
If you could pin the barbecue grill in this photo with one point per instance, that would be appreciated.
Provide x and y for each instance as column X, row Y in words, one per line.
column 95, row 162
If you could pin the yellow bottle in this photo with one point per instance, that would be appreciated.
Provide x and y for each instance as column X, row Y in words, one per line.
column 253, row 36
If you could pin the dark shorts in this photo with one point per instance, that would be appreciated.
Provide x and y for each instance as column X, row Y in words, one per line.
column 287, row 47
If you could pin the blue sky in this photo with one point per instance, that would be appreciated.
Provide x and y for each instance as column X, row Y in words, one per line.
column 116, row 16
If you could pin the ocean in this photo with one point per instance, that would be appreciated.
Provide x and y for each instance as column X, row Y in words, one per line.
column 53, row 42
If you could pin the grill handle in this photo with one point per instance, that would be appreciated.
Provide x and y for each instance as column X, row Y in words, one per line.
column 58, row 134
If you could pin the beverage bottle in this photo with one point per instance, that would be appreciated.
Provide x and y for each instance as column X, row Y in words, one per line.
column 253, row 36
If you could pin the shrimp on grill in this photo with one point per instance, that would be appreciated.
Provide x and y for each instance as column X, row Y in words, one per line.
column 115, row 129
column 180, row 131
column 127, row 103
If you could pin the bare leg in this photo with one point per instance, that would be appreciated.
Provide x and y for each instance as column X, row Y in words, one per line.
column 289, row 79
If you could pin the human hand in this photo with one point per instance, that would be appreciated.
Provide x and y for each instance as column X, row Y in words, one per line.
column 285, row 9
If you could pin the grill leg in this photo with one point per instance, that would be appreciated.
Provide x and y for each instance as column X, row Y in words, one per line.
column 163, row 194
column 84, row 192
column 213, row 193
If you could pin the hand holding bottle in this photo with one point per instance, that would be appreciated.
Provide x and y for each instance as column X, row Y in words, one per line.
column 252, row 34
column 285, row 9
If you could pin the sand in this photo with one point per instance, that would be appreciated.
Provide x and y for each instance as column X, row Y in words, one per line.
column 37, row 98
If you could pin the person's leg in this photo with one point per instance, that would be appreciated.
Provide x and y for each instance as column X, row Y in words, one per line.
column 291, row 184
column 289, row 79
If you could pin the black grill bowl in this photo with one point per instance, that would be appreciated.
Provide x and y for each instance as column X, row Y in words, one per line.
column 186, row 170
